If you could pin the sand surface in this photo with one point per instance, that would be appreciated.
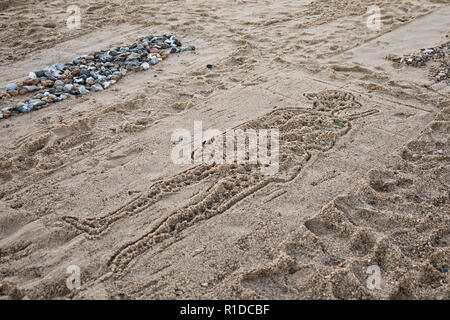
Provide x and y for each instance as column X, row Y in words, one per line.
column 90, row 181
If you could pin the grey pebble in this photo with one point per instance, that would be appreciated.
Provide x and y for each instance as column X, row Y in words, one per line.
column 96, row 87
column 82, row 90
column 68, row 88
column 11, row 87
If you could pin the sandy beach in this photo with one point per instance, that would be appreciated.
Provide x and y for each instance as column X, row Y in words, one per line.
column 358, row 91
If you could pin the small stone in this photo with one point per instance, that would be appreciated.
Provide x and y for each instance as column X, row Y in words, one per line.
column 60, row 67
column 59, row 83
column 48, row 83
column 205, row 284
column 68, row 88
column 101, row 78
column 23, row 91
column 209, row 66
column 132, row 56
column 11, row 86
column 36, row 102
column 96, row 87
column 13, row 93
column 79, row 80
column 106, row 58
column 32, row 75
column 107, row 84
column 76, row 71
column 154, row 61
column 31, row 82
column 40, row 74
column 191, row 48
column 25, row 108
column 53, row 70
column 31, row 88
column 123, row 55
column 6, row 114
column 82, row 90
column 145, row 66
column 372, row 202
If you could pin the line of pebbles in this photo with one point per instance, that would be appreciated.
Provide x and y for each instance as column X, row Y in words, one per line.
column 440, row 54
column 94, row 72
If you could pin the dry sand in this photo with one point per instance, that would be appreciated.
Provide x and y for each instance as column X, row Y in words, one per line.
column 90, row 182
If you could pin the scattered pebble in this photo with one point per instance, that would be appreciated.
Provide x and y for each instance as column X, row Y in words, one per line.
column 95, row 71
column 145, row 66
column 11, row 87
column 31, row 88
column 440, row 54
column 25, row 108
column 67, row 88
column 97, row 87
column 199, row 250
column 82, row 90
column 107, row 84
column 209, row 66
